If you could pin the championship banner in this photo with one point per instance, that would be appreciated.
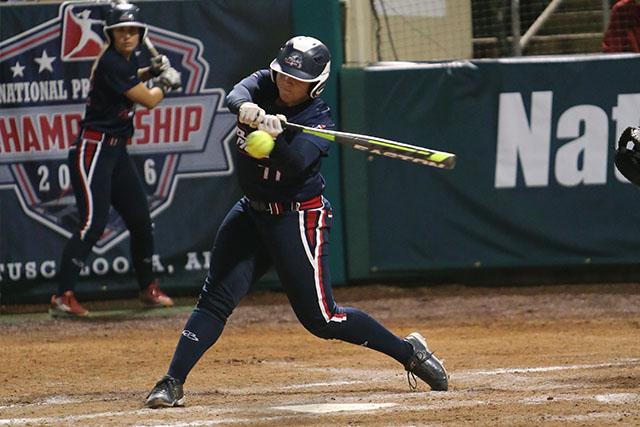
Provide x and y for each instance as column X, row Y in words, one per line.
column 181, row 148
column 534, row 182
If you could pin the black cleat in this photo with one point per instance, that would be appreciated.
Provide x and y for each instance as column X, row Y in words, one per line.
column 425, row 365
column 166, row 393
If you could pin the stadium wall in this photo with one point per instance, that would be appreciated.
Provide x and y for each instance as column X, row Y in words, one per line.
column 183, row 149
column 534, row 187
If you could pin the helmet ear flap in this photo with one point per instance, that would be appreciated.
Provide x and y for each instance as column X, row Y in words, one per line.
column 628, row 163
column 317, row 89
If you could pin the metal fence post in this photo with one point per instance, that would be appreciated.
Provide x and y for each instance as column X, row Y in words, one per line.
column 515, row 27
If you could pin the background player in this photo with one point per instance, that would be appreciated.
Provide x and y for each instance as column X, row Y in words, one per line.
column 102, row 173
column 283, row 220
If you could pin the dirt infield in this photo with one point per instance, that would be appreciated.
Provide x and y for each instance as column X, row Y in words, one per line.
column 552, row 355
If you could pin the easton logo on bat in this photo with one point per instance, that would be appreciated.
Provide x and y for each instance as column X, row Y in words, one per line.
column 401, row 156
column 382, row 147
column 45, row 82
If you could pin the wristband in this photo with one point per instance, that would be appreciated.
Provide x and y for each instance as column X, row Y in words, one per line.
column 162, row 85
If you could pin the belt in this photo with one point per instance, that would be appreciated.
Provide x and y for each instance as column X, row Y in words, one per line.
column 94, row 135
column 276, row 208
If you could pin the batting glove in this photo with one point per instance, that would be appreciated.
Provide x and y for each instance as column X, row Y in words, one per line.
column 250, row 114
column 168, row 79
column 159, row 64
column 271, row 124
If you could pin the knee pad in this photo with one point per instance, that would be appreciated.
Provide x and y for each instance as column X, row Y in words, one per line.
column 212, row 301
column 211, row 308
column 91, row 236
column 78, row 248
column 320, row 329
column 142, row 229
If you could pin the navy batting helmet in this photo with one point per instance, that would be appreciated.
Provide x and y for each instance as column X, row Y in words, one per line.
column 124, row 15
column 306, row 59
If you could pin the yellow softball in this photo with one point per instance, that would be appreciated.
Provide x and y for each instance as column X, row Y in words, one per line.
column 259, row 144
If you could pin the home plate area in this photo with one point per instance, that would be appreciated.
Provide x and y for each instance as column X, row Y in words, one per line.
column 560, row 355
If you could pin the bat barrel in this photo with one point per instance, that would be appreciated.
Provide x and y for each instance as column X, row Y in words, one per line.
column 382, row 147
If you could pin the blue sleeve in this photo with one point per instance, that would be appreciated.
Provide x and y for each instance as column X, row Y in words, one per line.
column 305, row 150
column 322, row 144
column 295, row 157
column 254, row 88
column 119, row 74
column 318, row 116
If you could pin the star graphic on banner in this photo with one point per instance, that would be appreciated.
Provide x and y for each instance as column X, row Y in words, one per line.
column 17, row 69
column 45, row 62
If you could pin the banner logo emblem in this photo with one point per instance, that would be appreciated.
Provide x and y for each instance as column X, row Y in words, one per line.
column 45, row 83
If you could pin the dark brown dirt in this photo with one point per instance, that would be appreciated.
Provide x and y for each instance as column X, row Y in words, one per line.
column 548, row 355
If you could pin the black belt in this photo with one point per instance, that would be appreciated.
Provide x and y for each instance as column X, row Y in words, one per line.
column 276, row 208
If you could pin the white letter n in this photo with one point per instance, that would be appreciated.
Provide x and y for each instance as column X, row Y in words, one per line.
column 520, row 139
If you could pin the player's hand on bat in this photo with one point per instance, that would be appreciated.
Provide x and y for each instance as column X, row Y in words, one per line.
column 171, row 78
column 271, row 124
column 250, row 114
column 282, row 118
column 159, row 64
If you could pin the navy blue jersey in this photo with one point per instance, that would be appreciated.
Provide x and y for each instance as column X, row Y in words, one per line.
column 281, row 178
column 108, row 110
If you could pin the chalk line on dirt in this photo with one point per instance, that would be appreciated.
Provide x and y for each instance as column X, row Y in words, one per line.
column 444, row 400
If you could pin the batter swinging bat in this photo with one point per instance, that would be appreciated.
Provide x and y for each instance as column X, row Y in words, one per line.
column 147, row 42
column 383, row 147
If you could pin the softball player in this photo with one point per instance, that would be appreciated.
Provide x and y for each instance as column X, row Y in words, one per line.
column 102, row 173
column 283, row 220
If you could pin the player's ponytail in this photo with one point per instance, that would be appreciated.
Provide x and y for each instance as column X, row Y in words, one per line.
column 95, row 63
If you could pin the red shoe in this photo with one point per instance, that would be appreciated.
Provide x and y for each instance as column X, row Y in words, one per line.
column 154, row 296
column 66, row 305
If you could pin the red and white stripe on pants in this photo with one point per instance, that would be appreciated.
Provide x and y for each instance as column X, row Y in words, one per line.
column 88, row 155
column 311, row 224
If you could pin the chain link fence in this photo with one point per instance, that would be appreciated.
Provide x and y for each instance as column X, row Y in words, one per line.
column 431, row 30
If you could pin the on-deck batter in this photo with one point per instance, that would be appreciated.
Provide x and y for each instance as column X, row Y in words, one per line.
column 102, row 173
